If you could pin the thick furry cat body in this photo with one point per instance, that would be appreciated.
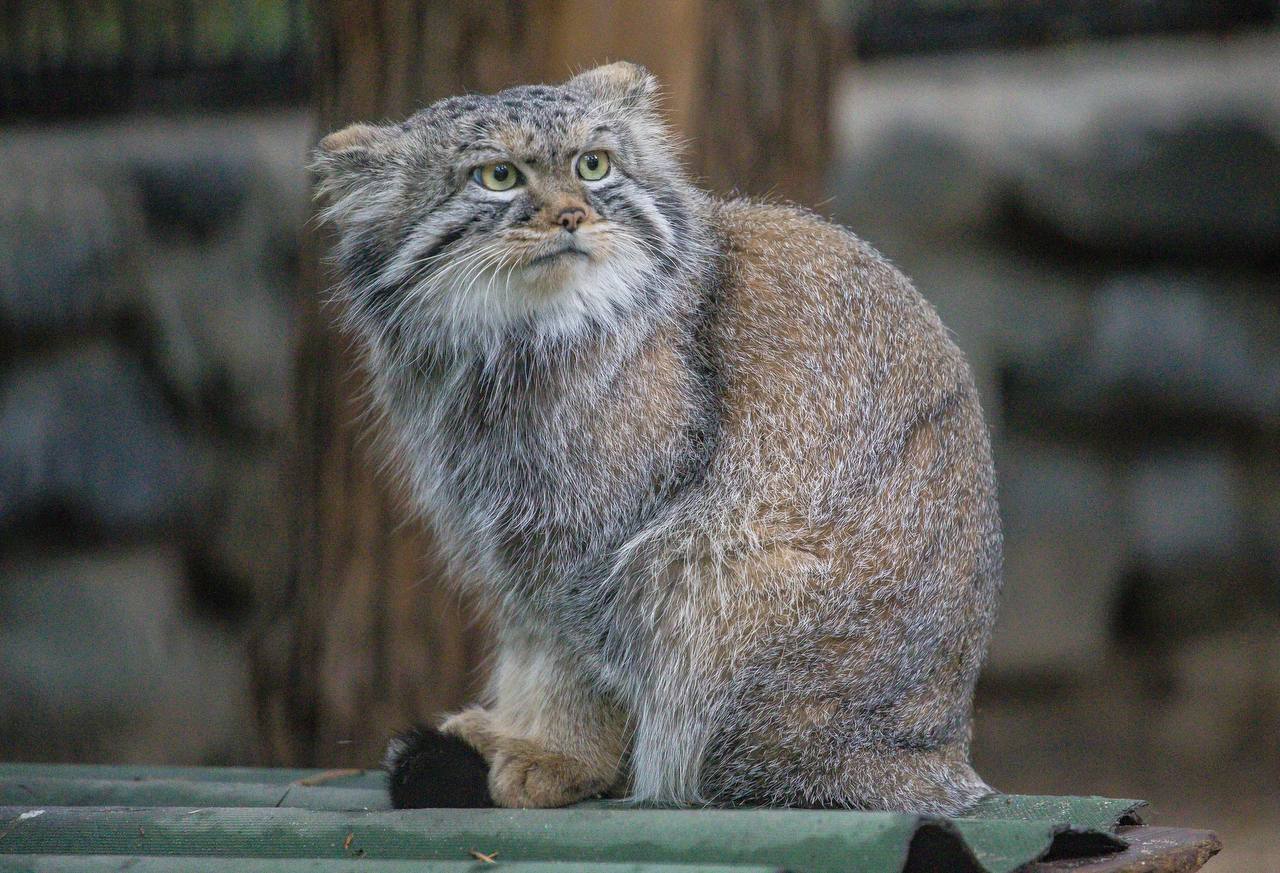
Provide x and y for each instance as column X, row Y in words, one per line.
column 721, row 476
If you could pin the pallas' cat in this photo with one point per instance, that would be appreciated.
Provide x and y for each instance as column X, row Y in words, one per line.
column 714, row 467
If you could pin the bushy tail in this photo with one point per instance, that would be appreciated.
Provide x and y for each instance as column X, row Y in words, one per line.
column 427, row 768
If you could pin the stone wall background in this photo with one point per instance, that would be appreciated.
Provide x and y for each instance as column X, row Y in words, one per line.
column 1098, row 223
column 147, row 297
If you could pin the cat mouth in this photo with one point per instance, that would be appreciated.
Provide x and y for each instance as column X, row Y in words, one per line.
column 568, row 250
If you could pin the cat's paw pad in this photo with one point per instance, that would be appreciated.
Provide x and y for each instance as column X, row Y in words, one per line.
column 526, row 776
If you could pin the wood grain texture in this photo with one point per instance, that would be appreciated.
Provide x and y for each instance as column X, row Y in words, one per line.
column 762, row 126
column 364, row 636
column 1151, row 850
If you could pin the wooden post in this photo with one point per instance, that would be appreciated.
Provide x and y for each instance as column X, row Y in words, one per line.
column 364, row 636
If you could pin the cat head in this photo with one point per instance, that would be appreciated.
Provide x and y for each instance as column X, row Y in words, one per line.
column 540, row 211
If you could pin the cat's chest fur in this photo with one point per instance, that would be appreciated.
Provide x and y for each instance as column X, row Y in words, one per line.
column 537, row 468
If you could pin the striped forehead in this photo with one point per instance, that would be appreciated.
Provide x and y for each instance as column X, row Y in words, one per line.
column 528, row 121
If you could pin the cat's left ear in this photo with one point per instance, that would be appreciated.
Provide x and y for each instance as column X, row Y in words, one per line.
column 623, row 84
column 353, row 157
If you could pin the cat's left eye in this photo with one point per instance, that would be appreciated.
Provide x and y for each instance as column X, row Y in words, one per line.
column 593, row 166
column 500, row 176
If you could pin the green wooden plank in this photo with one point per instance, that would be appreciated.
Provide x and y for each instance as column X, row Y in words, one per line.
column 279, row 817
column 371, row 779
column 1084, row 813
column 802, row 840
column 808, row 841
column 1010, row 844
column 59, row 791
column 181, row 864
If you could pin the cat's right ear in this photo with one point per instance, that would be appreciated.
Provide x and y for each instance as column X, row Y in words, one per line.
column 352, row 158
column 621, row 83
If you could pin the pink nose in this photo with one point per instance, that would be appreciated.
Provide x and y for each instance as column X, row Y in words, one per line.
column 571, row 217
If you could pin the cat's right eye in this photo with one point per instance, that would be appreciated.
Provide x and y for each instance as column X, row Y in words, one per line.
column 500, row 176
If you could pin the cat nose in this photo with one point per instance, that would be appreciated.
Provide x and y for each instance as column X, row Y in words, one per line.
column 570, row 217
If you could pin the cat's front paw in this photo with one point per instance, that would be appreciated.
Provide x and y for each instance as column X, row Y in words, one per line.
column 472, row 725
column 522, row 772
column 524, row 775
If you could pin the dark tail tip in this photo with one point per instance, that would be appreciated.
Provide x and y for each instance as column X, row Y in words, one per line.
column 431, row 769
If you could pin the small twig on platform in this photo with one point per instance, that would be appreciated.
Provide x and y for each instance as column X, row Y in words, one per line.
column 29, row 814
column 327, row 776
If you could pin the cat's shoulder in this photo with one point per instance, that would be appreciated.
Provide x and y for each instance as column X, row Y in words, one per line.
column 781, row 255
column 788, row 245
column 752, row 223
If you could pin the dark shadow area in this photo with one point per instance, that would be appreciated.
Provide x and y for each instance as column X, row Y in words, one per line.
column 938, row 847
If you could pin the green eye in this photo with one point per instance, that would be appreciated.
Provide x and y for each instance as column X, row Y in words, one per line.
column 593, row 166
column 497, row 177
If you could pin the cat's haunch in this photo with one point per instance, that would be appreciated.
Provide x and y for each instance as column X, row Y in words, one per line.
column 715, row 468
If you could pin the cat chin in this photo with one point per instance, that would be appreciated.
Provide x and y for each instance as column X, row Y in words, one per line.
column 556, row 274
column 559, row 296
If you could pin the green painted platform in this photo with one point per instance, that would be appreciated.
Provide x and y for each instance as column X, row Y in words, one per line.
column 163, row 819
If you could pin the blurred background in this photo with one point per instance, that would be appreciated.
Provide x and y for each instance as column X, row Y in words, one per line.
column 196, row 565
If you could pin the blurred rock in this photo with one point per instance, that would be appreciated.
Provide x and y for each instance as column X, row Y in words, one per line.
column 148, row 277
column 222, row 316
column 1263, row 518
column 1157, row 612
column 1200, row 186
column 1186, row 507
column 914, row 174
column 1019, row 121
column 1169, row 344
column 62, row 246
column 100, row 659
column 88, row 433
column 1185, row 344
column 1194, row 570
column 1225, row 693
column 1065, row 547
column 243, row 541
column 205, row 216
column 188, row 193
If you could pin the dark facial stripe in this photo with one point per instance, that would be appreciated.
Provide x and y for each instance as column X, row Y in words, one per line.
column 364, row 259
column 482, row 217
column 604, row 200
column 446, row 239
column 629, row 213
column 518, row 211
column 676, row 213
column 365, row 263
